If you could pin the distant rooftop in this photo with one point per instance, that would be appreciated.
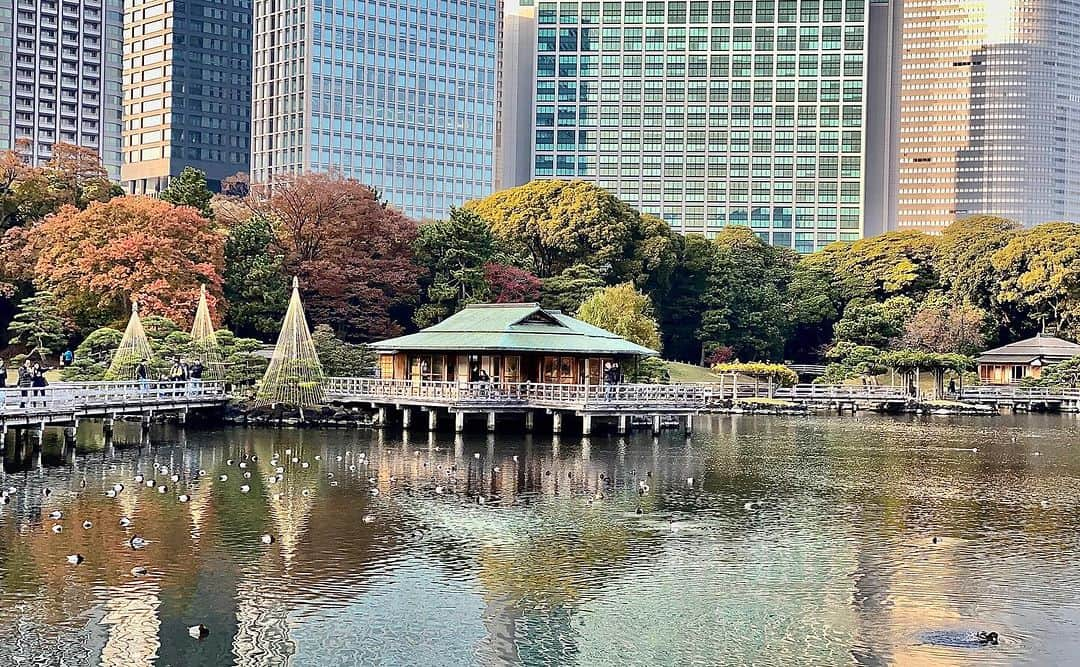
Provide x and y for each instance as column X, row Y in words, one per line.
column 514, row 327
column 1045, row 349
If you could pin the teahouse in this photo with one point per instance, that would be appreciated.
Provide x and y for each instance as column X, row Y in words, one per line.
column 1023, row 359
column 507, row 344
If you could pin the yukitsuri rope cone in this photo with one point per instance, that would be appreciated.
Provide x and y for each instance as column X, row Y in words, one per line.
column 204, row 340
column 294, row 376
column 134, row 347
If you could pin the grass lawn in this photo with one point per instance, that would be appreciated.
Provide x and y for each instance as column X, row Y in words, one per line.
column 681, row 372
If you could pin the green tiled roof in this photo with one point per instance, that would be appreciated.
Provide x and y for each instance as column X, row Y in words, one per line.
column 514, row 327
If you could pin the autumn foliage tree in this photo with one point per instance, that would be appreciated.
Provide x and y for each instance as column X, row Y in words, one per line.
column 352, row 253
column 96, row 260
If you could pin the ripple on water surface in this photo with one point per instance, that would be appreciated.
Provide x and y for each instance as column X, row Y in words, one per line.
column 758, row 541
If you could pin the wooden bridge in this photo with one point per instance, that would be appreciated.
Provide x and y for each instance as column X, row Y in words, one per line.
column 65, row 404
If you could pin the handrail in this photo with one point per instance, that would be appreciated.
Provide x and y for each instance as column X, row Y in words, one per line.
column 77, row 396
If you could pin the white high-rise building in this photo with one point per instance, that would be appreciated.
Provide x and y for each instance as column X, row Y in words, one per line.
column 990, row 111
column 60, row 63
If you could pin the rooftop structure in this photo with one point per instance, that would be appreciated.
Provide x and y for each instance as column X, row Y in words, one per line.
column 1023, row 359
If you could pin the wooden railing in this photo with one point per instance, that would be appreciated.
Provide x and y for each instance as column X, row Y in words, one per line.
column 1014, row 393
column 75, row 397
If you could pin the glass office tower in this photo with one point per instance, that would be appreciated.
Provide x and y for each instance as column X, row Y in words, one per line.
column 400, row 94
column 711, row 113
column 60, row 77
column 187, row 90
column 990, row 111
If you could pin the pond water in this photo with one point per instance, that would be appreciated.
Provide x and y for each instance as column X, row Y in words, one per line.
column 759, row 540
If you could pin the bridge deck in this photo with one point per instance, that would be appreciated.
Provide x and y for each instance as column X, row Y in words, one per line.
column 64, row 403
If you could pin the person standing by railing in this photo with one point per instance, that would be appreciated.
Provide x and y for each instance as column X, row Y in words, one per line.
column 196, row 373
column 38, row 382
column 142, row 374
column 25, row 381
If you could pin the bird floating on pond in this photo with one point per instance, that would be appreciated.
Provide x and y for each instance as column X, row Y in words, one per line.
column 138, row 570
column 199, row 631
column 163, row 489
column 339, row 459
column 244, row 488
column 118, row 487
column 243, row 464
column 125, row 522
column 228, row 462
column 247, row 474
column 223, row 478
column 183, row 497
column 267, row 539
column 55, row 515
column 318, row 458
column 110, row 493
column 175, row 478
column 136, row 542
column 476, row 455
column 139, row 479
column 75, row 559
column 150, row 483
column 58, row 529
column 87, row 525
column 164, row 470
column 305, row 465
column 368, row 518
column 46, row 492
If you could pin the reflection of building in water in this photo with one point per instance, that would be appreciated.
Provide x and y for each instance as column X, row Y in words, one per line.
column 262, row 624
column 131, row 615
column 290, row 509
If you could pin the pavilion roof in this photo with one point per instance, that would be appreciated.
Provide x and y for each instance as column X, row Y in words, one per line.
column 1041, row 348
column 514, row 327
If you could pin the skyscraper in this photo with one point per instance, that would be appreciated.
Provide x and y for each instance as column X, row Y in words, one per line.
column 990, row 119
column 400, row 94
column 60, row 76
column 187, row 90
column 751, row 112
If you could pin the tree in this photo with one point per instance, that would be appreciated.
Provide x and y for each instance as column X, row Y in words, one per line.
column 872, row 323
column 942, row 327
column 848, row 360
column 892, row 264
column 93, row 355
column 964, row 255
column 189, row 189
column 95, row 261
column 568, row 290
column 908, row 362
column 339, row 358
column 679, row 307
column 745, row 301
column 353, row 255
column 1039, row 276
column 625, row 312
column 549, row 226
column 77, row 176
column 255, row 285
column 815, row 306
column 509, row 284
column 1062, row 374
column 39, row 326
column 455, row 252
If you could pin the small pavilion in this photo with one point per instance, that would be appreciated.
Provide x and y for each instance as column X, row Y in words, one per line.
column 1023, row 359
column 507, row 344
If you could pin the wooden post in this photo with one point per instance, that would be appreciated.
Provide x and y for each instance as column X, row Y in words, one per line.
column 406, row 417
column 556, row 423
column 622, row 420
column 459, row 422
column 491, row 421
column 530, row 421
column 181, row 417
column 432, row 420
column 689, row 424
column 656, row 425
column 380, row 416
column 586, row 425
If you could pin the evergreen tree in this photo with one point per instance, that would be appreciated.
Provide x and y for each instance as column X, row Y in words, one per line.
column 255, row 288
column 39, row 326
column 189, row 189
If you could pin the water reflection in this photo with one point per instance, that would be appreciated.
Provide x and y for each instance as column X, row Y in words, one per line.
column 771, row 541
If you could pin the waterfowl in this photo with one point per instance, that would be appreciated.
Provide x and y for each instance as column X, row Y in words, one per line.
column 247, row 474
column 110, row 493
column 136, row 542
column 374, row 492
column 46, row 492
column 228, row 462
column 267, row 539
column 243, row 464
column 329, row 475
column 118, row 487
column 183, row 497
column 599, row 495
column 163, row 489
column 82, row 483
column 318, row 458
column 480, row 500
column 138, row 570
column 223, row 478
column 439, row 490
column 305, row 465
column 288, row 451
column 175, row 478
column 935, row 540
column 689, row 481
column 87, row 525
column 164, row 470
column 202, row 473
column 476, row 455
column 515, row 458
column 125, row 522
column 199, row 631
column 640, row 511
column 150, row 483
column 339, row 459
column 990, row 638
column 57, row 529
column 75, row 559
column 295, row 459
column 244, row 488
column 55, row 514
column 4, row 500
column 333, row 483
column 495, row 470
column 352, row 468
column 254, row 458
column 368, row 518
column 139, row 479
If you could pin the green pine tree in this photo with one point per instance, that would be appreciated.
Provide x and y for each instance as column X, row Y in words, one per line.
column 39, row 326
column 189, row 189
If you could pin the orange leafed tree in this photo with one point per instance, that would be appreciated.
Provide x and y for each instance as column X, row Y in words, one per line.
column 95, row 261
